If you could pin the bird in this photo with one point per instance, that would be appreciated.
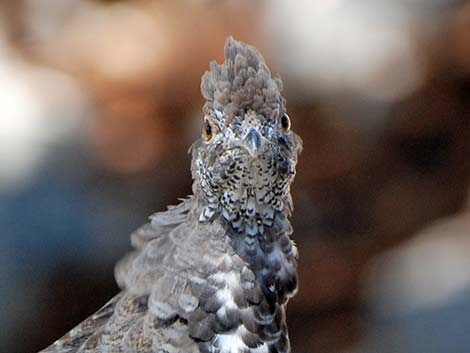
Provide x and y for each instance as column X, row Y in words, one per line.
column 213, row 274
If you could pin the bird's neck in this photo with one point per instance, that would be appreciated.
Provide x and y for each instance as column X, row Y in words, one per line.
column 246, row 211
column 259, row 234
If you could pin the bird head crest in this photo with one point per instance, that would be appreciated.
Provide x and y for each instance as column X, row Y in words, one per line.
column 242, row 82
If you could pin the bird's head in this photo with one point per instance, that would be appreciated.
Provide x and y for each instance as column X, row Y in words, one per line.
column 245, row 160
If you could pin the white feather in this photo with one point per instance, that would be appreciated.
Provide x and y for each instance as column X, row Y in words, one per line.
column 233, row 343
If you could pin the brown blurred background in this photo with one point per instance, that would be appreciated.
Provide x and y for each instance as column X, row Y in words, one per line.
column 99, row 102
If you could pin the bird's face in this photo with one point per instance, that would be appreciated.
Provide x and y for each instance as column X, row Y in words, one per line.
column 243, row 166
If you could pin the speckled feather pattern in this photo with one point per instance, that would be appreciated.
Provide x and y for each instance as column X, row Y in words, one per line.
column 214, row 273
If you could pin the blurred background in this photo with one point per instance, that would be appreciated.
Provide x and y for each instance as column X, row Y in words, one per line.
column 99, row 102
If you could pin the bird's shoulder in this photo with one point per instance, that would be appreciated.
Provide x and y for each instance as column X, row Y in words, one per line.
column 171, row 248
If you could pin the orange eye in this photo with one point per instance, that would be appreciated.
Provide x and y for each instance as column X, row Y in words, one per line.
column 285, row 122
column 207, row 130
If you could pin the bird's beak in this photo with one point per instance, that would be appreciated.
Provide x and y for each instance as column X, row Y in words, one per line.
column 253, row 141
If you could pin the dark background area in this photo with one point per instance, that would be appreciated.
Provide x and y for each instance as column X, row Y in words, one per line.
column 100, row 101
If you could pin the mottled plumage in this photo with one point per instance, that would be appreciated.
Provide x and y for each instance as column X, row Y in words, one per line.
column 214, row 273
